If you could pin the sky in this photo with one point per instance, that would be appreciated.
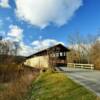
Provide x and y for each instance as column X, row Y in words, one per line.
column 38, row 24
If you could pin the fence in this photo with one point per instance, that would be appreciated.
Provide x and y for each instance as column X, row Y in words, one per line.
column 84, row 66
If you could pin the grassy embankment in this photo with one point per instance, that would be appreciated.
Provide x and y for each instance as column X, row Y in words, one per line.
column 57, row 86
column 15, row 83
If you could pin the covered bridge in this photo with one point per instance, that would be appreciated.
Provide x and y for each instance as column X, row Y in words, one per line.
column 53, row 56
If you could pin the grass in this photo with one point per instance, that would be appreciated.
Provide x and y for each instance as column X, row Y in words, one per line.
column 2, row 87
column 18, row 85
column 57, row 86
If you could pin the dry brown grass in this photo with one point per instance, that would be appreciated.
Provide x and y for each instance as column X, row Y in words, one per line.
column 17, row 89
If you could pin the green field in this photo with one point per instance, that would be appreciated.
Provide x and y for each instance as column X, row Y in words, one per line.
column 57, row 86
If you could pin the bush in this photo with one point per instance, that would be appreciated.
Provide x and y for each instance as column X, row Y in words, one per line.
column 9, row 72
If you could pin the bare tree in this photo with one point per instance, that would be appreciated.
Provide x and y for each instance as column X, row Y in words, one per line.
column 8, row 59
column 80, row 46
column 95, row 54
column 76, row 45
column 8, row 47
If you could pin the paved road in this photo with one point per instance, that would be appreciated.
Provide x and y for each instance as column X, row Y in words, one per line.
column 89, row 78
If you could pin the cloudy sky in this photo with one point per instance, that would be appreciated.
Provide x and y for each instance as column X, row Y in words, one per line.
column 37, row 24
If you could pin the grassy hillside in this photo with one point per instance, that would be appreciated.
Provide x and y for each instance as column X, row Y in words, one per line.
column 56, row 86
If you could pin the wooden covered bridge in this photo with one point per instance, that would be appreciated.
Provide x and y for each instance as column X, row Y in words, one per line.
column 53, row 56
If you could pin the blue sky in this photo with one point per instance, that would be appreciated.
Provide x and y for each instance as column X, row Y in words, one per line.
column 48, row 21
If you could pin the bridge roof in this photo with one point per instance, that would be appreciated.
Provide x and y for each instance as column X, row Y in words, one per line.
column 45, row 51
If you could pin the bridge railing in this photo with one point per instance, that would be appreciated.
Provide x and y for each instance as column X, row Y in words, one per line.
column 84, row 66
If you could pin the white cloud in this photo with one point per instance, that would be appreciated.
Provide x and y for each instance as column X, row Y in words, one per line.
column 43, row 12
column 35, row 46
column 15, row 32
column 4, row 4
column 25, row 50
column 8, row 19
column 43, row 44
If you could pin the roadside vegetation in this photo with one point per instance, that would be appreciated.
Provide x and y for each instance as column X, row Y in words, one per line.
column 18, row 85
column 56, row 86
column 15, row 78
column 84, row 49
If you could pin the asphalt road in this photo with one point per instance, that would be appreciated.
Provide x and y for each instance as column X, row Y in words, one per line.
column 88, row 78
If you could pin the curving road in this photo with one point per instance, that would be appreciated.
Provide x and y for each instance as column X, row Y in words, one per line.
column 88, row 78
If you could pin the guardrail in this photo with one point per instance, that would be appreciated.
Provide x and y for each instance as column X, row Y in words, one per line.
column 84, row 66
